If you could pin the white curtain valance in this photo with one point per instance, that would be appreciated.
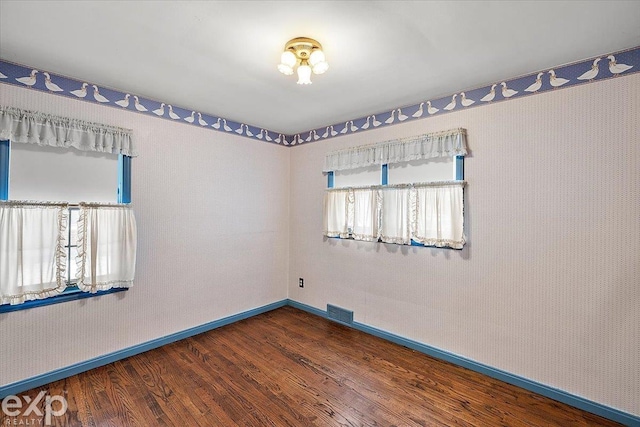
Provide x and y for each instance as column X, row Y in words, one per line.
column 32, row 127
column 441, row 144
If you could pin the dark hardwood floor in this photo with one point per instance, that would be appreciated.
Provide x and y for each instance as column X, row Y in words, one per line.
column 290, row 368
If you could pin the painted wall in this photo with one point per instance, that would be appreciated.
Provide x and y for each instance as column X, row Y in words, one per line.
column 212, row 213
column 547, row 286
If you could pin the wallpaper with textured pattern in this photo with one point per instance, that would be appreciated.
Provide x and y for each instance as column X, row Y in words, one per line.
column 548, row 284
column 212, row 212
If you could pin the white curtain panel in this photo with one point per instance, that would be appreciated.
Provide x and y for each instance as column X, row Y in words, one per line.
column 32, row 127
column 32, row 251
column 366, row 208
column 395, row 221
column 335, row 213
column 107, row 241
column 437, row 215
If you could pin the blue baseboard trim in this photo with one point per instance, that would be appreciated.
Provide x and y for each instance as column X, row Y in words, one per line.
column 40, row 380
column 544, row 390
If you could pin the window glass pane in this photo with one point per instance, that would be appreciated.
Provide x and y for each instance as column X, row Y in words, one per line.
column 71, row 262
column 357, row 177
column 437, row 169
column 58, row 174
column 73, row 226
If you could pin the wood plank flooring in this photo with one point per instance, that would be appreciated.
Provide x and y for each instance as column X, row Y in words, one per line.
column 290, row 368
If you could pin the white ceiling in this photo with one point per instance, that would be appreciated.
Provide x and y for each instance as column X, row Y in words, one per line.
column 219, row 57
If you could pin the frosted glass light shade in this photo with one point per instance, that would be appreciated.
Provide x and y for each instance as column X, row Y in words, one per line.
column 285, row 69
column 304, row 75
column 287, row 62
column 320, row 67
column 288, row 58
column 316, row 57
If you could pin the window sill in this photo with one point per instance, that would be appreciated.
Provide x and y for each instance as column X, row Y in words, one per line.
column 413, row 243
column 70, row 294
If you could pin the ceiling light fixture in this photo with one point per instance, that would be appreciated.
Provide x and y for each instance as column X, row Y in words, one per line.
column 307, row 54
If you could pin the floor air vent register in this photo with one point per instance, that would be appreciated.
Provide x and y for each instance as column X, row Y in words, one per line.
column 339, row 314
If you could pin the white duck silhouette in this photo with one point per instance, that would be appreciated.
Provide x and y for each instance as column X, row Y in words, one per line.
column 201, row 120
column 97, row 96
column 82, row 92
column 124, row 103
column 401, row 116
column 326, row 133
column 419, row 112
column 506, row 92
column 311, row 136
column 261, row 134
column 450, row 106
column 616, row 68
column 391, row 118
column 225, row 126
column 556, row 81
column 279, row 138
column 216, row 125
column 346, row 127
column 192, row 118
column 284, row 140
column 489, row 97
column 30, row 80
column 375, row 122
column 464, row 101
column 535, row 86
column 431, row 109
column 366, row 124
column 173, row 115
column 137, row 104
column 240, row 130
column 296, row 140
column 592, row 73
column 266, row 136
column 353, row 127
column 2, row 76
column 159, row 111
column 50, row 85
column 247, row 131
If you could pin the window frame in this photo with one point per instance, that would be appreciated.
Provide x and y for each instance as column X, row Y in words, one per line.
column 72, row 292
column 458, row 172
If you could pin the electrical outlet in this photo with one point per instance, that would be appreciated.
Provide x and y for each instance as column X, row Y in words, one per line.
column 301, row 282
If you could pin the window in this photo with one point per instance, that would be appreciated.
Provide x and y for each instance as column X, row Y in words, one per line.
column 91, row 163
column 404, row 192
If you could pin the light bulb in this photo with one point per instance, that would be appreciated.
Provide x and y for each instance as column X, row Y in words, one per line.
column 304, row 74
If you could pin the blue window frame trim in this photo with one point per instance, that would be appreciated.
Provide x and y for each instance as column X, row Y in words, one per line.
column 71, row 293
column 459, row 168
column 4, row 170
column 330, row 179
column 384, row 170
column 124, row 179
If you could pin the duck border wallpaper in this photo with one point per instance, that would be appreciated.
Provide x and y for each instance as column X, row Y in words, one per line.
column 605, row 66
